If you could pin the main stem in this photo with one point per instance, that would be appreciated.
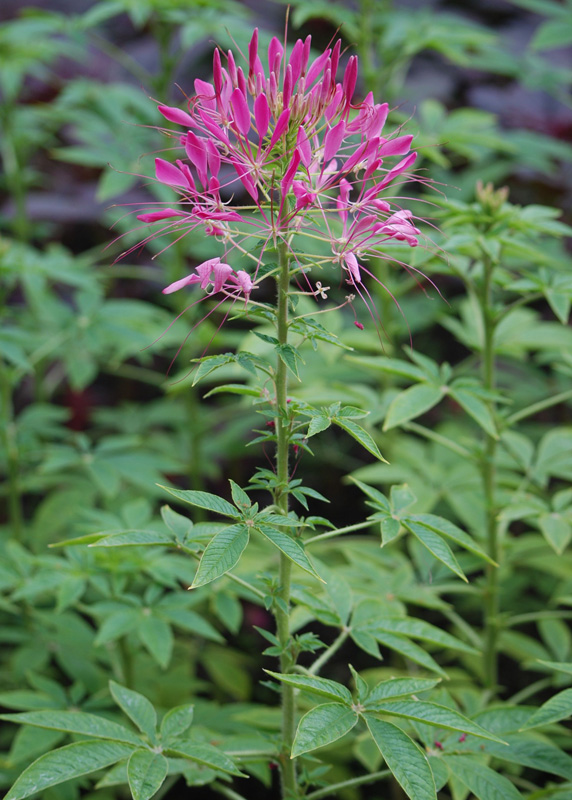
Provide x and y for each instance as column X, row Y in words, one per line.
column 491, row 598
column 282, row 607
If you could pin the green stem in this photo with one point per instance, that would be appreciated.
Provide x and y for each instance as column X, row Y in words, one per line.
column 327, row 654
column 438, row 438
column 488, row 469
column 338, row 787
column 282, row 606
column 226, row 791
column 535, row 408
column 338, row 532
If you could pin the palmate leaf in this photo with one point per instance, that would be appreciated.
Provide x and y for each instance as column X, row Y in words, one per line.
column 323, row 725
column 76, row 722
column 221, row 554
column 65, row 763
column 146, row 772
column 482, row 781
column 406, row 761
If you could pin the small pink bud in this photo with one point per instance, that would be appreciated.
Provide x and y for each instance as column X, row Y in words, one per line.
column 217, row 72
column 438, row 745
column 358, row 325
column 462, row 737
column 275, row 51
column 350, row 79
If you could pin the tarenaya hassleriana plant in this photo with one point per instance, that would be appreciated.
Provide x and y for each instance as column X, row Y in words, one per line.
column 318, row 174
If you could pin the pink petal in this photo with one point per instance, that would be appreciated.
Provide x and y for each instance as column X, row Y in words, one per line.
column 169, row 173
column 174, row 287
column 304, row 146
column 177, row 116
column 155, row 216
column 333, row 140
column 290, row 172
column 221, row 272
column 240, row 111
column 281, row 126
column 396, row 147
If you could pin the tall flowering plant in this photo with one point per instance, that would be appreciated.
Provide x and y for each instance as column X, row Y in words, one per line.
column 296, row 180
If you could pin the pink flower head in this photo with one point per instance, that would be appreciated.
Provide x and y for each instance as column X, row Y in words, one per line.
column 284, row 137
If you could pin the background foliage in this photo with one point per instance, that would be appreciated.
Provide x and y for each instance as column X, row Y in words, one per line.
column 474, row 419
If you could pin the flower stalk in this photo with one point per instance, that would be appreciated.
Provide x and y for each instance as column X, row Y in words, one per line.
column 282, row 607
column 488, row 468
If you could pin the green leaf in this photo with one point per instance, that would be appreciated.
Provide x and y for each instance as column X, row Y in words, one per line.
column 318, row 423
column 556, row 530
column 212, row 502
column 75, row 722
column 320, row 686
column 157, row 637
column 408, row 649
column 450, row 531
column 210, row 363
column 419, row 629
column 560, row 666
column 239, row 496
column 204, row 754
column 433, row 714
column 436, row 546
column 221, row 554
column 234, row 388
column 406, row 761
column 531, row 751
column 360, row 435
column 290, row 356
column 291, row 548
column 65, row 763
column 477, row 409
column 146, row 772
column 553, row 33
column 138, row 708
column 378, row 498
column 557, row 708
column 323, row 725
column 176, row 721
column 412, row 403
column 397, row 687
column 482, row 781
column 134, row 539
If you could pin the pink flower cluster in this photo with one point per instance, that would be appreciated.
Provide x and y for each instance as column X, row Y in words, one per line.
column 307, row 156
